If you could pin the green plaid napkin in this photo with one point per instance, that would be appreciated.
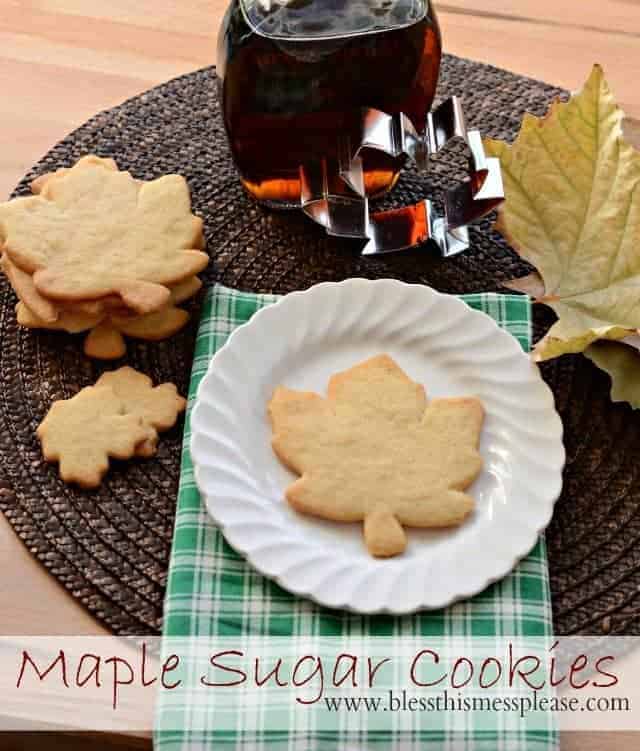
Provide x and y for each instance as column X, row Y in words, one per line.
column 212, row 591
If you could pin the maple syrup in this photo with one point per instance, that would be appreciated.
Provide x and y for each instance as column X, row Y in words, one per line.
column 294, row 77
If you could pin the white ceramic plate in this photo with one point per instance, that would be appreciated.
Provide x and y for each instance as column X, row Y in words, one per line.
column 439, row 341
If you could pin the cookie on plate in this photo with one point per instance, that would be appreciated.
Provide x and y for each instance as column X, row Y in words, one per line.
column 374, row 450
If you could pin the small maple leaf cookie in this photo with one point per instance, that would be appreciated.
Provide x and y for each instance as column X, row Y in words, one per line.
column 119, row 417
column 375, row 451
column 81, row 434
column 158, row 406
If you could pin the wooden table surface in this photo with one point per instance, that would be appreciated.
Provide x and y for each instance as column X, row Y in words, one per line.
column 62, row 61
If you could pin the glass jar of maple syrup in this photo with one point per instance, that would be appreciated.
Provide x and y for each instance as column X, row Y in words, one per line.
column 295, row 76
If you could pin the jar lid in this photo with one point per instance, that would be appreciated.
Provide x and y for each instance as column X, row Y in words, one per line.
column 313, row 20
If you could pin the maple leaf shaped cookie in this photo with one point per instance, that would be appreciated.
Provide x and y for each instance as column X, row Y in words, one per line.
column 375, row 451
column 81, row 434
column 118, row 417
column 157, row 406
column 93, row 231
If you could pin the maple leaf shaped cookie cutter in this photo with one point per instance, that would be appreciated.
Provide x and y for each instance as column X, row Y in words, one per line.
column 374, row 450
column 333, row 192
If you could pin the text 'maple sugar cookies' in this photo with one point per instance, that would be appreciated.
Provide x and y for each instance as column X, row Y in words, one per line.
column 96, row 250
column 374, row 450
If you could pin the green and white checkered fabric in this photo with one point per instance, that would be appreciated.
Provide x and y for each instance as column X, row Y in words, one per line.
column 212, row 591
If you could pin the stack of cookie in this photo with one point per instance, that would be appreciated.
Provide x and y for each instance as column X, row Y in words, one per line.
column 96, row 250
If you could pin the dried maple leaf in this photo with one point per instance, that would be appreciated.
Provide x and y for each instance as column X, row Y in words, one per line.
column 572, row 209
column 93, row 231
column 374, row 450
column 622, row 363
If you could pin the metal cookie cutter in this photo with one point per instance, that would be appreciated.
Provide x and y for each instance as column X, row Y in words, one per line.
column 333, row 194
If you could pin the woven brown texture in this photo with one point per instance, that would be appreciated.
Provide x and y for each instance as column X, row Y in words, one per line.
column 110, row 547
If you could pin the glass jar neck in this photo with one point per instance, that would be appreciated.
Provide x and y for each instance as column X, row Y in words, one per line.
column 315, row 20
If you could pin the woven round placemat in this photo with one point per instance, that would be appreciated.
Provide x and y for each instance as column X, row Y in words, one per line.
column 110, row 547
